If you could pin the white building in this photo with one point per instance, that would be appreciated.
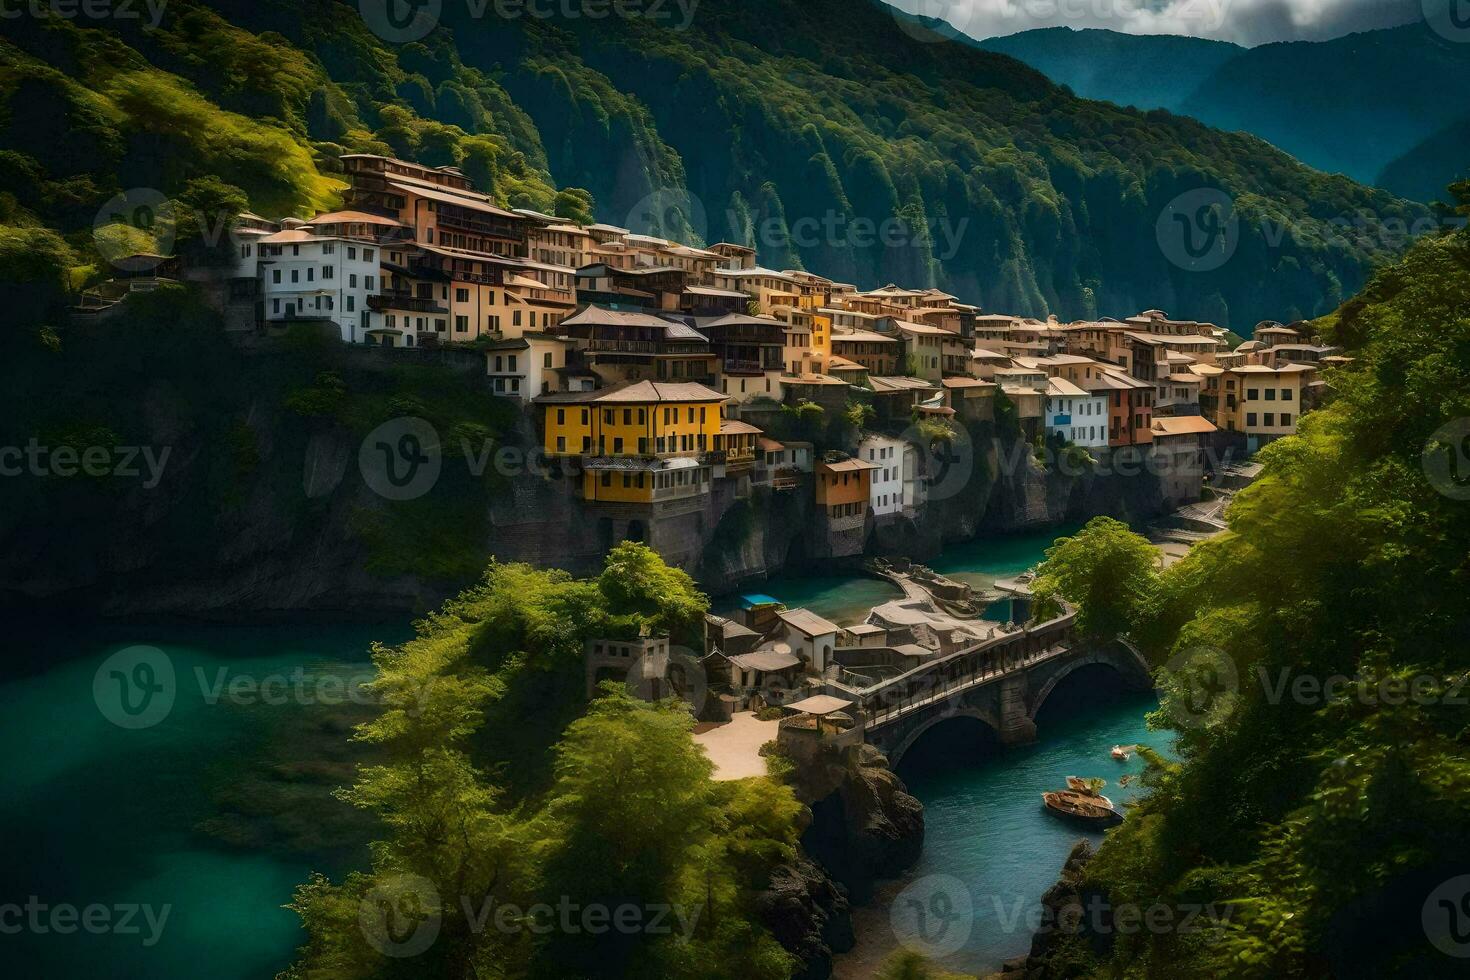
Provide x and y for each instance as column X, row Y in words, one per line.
column 310, row 276
column 1078, row 416
column 526, row 366
column 887, row 453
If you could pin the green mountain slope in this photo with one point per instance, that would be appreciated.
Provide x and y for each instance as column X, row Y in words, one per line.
column 803, row 128
column 1144, row 71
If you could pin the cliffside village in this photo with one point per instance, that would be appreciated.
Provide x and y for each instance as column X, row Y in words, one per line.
column 657, row 367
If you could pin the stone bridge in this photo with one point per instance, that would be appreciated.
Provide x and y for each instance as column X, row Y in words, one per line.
column 1002, row 682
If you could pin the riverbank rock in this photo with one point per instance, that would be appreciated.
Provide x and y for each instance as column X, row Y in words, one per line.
column 867, row 826
column 809, row 914
column 1065, row 944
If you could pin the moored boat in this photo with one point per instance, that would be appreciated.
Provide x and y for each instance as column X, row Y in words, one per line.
column 1091, row 788
column 1120, row 754
column 1081, row 808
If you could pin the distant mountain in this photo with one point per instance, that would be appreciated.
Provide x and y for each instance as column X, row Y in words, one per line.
column 1354, row 105
column 1146, row 72
column 1420, row 173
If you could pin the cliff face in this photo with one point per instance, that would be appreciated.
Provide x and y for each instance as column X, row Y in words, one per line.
column 298, row 528
column 864, row 827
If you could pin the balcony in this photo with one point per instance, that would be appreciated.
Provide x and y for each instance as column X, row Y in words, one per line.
column 405, row 302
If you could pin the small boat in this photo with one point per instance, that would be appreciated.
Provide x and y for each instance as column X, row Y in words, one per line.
column 1090, row 788
column 1081, row 808
column 1121, row 754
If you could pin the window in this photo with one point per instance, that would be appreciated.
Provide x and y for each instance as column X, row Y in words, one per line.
column 351, row 304
column 1270, row 394
column 512, row 363
column 244, row 251
column 1285, row 396
column 328, row 273
column 311, row 274
column 461, row 295
column 275, row 305
column 515, row 318
column 295, row 275
column 1250, row 418
column 561, row 442
column 367, row 281
column 546, row 362
column 1270, row 419
column 1252, row 394
column 367, row 255
column 351, row 280
column 462, row 325
column 329, row 248
column 275, row 275
column 351, row 252
column 1286, row 418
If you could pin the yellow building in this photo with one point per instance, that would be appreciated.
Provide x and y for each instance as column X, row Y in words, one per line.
column 639, row 442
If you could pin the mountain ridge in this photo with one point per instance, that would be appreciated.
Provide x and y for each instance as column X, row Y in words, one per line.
column 999, row 186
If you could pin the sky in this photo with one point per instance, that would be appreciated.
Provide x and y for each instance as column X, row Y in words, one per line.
column 1247, row 22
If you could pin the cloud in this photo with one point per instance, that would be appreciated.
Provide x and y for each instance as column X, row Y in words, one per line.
column 1247, row 22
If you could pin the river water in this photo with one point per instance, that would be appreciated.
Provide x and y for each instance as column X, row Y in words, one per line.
column 214, row 812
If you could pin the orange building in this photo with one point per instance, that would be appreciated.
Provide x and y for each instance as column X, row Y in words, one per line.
column 843, row 489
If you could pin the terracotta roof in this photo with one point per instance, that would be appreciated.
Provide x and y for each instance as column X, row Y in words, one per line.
column 807, row 621
column 638, row 391
column 766, row 658
column 819, row 704
column 600, row 316
column 769, row 445
column 472, row 201
column 354, row 217
column 735, row 427
column 849, row 466
column 1182, row 425
column 865, row 337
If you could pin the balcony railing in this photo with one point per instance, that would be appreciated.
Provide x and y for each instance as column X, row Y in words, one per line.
column 405, row 301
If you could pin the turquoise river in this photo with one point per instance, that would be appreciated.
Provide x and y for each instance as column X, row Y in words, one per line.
column 204, row 820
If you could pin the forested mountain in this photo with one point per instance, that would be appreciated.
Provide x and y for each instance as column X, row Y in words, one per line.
column 997, row 185
column 1355, row 105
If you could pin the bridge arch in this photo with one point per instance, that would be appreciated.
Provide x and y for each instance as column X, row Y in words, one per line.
column 1120, row 655
column 910, row 737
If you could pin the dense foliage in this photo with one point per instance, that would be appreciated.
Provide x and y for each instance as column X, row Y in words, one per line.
column 621, row 812
column 846, row 146
column 1322, row 790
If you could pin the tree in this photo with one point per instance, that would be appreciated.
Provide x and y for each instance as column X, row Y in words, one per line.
column 1107, row 571
column 576, row 205
column 636, row 581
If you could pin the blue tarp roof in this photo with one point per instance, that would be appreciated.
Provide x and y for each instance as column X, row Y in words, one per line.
column 758, row 599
